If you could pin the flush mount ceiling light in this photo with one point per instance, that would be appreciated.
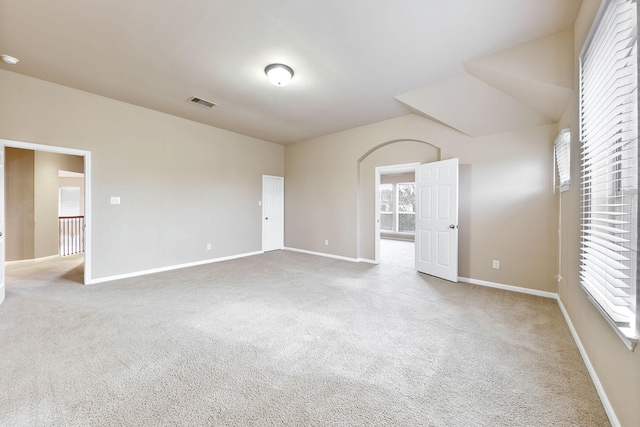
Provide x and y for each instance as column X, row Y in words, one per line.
column 9, row 59
column 279, row 74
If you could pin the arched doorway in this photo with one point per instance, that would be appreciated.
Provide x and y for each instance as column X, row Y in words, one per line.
column 396, row 152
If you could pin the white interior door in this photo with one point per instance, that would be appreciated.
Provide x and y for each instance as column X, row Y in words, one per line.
column 2, row 255
column 437, row 219
column 272, row 213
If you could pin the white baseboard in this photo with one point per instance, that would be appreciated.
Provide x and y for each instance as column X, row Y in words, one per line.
column 342, row 258
column 509, row 288
column 592, row 372
column 169, row 268
column 322, row 254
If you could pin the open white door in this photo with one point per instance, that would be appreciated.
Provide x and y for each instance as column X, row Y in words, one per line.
column 2, row 256
column 272, row 213
column 437, row 219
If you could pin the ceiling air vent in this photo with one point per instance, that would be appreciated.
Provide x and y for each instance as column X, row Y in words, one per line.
column 202, row 102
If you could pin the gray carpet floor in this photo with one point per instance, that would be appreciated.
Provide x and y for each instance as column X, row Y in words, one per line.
column 283, row 338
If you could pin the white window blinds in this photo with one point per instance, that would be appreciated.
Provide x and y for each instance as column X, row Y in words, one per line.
column 562, row 154
column 609, row 139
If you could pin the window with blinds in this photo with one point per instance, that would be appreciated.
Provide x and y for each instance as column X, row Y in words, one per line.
column 562, row 154
column 609, row 166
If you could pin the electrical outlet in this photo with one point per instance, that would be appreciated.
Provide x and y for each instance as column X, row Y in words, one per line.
column 115, row 200
column 496, row 264
column 208, row 246
column 326, row 243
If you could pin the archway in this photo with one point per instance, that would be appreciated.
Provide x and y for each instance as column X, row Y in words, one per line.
column 395, row 152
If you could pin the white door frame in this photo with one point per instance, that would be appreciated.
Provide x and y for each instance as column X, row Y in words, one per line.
column 401, row 168
column 87, row 189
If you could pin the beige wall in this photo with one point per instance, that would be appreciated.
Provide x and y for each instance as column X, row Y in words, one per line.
column 182, row 184
column 322, row 180
column 507, row 209
column 511, row 210
column 617, row 368
column 19, row 204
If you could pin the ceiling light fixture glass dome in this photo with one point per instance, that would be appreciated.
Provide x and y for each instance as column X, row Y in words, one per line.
column 279, row 74
column 7, row 59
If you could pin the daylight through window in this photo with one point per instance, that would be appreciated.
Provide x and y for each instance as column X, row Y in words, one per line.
column 397, row 207
column 609, row 166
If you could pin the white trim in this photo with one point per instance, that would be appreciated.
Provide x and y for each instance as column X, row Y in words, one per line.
column 376, row 218
column 322, row 254
column 43, row 147
column 630, row 343
column 25, row 261
column 88, row 218
column 171, row 267
column 613, row 419
column 325, row 255
column 87, row 190
column 509, row 288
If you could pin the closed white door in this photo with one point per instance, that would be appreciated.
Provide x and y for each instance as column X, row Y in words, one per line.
column 272, row 213
column 437, row 219
column 2, row 255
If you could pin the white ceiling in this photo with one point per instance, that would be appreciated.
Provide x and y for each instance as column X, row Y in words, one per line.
column 351, row 58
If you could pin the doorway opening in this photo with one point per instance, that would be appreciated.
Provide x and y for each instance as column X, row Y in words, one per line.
column 395, row 215
column 70, row 213
column 394, row 153
column 51, row 168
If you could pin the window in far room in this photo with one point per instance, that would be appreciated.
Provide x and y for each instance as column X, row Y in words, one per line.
column 387, row 207
column 406, row 207
column 397, row 207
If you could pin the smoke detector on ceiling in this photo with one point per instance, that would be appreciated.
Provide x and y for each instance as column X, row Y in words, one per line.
column 202, row 102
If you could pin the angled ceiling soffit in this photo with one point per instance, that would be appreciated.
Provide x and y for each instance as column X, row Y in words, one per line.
column 472, row 107
column 538, row 73
column 426, row 116
column 523, row 86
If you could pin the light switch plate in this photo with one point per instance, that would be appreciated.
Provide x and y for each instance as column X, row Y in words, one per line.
column 115, row 200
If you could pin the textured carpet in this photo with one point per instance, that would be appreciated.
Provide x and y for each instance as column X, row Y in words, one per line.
column 283, row 338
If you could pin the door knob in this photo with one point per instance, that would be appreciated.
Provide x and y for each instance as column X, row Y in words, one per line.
column 452, row 226
column 266, row 218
